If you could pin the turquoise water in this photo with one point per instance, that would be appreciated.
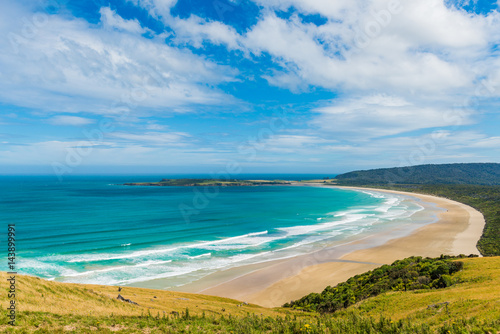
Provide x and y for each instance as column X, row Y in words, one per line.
column 93, row 230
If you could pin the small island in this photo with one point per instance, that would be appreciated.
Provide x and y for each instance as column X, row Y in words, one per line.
column 209, row 182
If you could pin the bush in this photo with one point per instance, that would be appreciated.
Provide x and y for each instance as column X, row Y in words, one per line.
column 443, row 282
column 412, row 273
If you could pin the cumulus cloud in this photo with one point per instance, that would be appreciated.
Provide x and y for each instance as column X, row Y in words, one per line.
column 111, row 20
column 423, row 47
column 195, row 30
column 390, row 46
column 156, row 8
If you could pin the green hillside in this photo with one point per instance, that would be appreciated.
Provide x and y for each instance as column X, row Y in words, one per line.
column 471, row 173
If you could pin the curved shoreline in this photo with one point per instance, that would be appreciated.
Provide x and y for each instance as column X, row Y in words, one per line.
column 465, row 241
column 456, row 232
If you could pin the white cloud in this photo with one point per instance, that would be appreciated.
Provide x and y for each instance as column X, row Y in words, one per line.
column 153, row 138
column 195, row 31
column 71, row 65
column 461, row 141
column 111, row 20
column 328, row 8
column 431, row 23
column 385, row 65
column 379, row 115
column 489, row 143
column 154, row 126
column 72, row 155
column 294, row 141
column 440, row 146
column 289, row 41
column 156, row 8
column 423, row 47
column 420, row 47
column 70, row 120
column 417, row 64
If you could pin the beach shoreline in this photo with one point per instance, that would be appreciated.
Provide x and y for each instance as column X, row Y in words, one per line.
column 456, row 231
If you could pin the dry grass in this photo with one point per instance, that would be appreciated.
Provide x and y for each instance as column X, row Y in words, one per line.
column 38, row 295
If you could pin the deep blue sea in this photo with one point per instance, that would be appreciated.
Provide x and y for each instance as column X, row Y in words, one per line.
column 92, row 229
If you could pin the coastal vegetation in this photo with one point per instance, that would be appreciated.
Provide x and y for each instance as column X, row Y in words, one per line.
column 413, row 273
column 470, row 305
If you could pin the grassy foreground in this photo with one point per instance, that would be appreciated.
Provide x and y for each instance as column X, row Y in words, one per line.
column 51, row 307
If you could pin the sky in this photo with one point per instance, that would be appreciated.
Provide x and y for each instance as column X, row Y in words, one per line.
column 246, row 86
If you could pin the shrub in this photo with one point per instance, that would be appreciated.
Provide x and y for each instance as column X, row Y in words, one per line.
column 412, row 273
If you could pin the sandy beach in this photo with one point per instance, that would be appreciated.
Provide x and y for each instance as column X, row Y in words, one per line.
column 456, row 231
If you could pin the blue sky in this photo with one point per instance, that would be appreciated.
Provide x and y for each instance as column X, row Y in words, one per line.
column 247, row 86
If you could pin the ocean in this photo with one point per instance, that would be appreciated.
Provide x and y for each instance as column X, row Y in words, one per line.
column 92, row 229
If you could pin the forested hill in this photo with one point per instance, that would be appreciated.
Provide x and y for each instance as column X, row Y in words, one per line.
column 470, row 173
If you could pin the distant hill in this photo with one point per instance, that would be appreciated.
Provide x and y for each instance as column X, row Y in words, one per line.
column 470, row 173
